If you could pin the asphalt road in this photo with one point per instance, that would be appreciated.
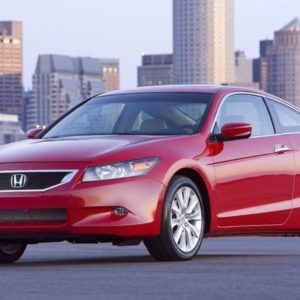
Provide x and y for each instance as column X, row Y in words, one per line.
column 225, row 268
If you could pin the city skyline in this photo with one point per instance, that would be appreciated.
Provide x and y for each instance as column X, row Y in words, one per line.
column 59, row 83
column 283, row 61
column 132, row 29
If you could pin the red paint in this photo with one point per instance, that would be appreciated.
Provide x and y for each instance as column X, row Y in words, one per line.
column 251, row 189
column 33, row 133
column 234, row 131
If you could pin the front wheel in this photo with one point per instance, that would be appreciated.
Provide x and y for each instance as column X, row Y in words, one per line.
column 9, row 253
column 182, row 226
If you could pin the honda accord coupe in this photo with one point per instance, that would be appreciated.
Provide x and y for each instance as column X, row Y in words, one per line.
column 168, row 166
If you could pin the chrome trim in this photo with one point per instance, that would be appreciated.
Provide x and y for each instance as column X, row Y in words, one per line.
column 65, row 180
column 264, row 97
column 281, row 148
column 18, row 183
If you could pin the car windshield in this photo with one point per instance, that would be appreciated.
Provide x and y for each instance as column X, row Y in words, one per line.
column 135, row 114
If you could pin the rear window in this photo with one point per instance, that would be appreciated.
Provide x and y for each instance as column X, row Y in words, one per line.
column 287, row 120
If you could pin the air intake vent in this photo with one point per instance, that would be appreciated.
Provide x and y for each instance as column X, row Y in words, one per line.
column 33, row 215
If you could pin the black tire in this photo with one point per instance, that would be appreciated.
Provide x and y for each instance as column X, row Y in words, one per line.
column 164, row 247
column 10, row 253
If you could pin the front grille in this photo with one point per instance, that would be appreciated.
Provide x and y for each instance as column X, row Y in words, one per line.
column 32, row 180
column 33, row 215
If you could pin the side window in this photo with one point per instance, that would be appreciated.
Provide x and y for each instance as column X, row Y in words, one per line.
column 245, row 109
column 287, row 120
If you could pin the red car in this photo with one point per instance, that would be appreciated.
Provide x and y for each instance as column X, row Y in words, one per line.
column 164, row 165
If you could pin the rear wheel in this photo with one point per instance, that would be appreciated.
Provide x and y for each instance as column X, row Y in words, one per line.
column 9, row 253
column 182, row 226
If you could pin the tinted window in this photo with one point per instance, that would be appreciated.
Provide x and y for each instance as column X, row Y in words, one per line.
column 245, row 109
column 142, row 116
column 135, row 114
column 101, row 118
column 287, row 119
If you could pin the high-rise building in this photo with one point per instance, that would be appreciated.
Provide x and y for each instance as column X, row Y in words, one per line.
column 243, row 71
column 111, row 74
column 283, row 60
column 260, row 65
column 203, row 41
column 156, row 70
column 11, row 68
column 243, row 67
column 27, row 99
column 59, row 83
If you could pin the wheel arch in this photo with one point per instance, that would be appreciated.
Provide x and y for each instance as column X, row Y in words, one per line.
column 200, row 183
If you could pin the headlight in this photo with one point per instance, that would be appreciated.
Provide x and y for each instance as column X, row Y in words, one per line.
column 120, row 170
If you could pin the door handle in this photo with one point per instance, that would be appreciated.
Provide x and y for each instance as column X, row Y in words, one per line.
column 281, row 148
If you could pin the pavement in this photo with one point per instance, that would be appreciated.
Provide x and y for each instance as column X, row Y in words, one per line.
column 225, row 268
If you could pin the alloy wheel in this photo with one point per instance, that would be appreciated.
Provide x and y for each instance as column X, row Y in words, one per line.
column 186, row 219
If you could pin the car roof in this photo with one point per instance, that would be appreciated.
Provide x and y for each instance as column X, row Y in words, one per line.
column 198, row 88
column 195, row 88
column 169, row 88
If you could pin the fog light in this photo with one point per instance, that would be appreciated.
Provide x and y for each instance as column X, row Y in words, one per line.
column 120, row 211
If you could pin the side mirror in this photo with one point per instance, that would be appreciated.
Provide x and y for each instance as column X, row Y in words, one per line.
column 235, row 131
column 33, row 133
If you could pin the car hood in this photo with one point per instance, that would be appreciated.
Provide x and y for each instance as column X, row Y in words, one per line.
column 67, row 149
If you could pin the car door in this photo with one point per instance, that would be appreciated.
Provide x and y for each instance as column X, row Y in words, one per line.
column 254, row 176
column 287, row 122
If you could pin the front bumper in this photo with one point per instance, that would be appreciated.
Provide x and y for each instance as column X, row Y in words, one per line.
column 88, row 209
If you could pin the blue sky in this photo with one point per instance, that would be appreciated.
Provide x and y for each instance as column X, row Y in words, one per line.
column 127, row 28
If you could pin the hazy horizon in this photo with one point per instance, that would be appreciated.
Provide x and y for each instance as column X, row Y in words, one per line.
column 125, row 29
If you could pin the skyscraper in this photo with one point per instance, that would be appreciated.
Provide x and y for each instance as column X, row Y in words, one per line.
column 156, row 69
column 260, row 65
column 243, row 71
column 111, row 73
column 243, row 68
column 203, row 41
column 59, row 83
column 11, row 68
column 283, row 60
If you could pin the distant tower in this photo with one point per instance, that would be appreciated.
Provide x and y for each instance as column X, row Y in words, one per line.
column 156, row 69
column 203, row 41
column 243, row 71
column 59, row 83
column 283, row 59
column 260, row 65
column 111, row 73
column 11, row 68
column 243, row 68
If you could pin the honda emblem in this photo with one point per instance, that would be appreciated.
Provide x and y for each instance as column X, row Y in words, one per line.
column 18, row 181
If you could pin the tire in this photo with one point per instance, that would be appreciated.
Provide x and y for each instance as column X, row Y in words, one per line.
column 9, row 253
column 182, row 225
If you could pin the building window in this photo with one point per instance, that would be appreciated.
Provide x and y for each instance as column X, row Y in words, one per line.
column 8, row 138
